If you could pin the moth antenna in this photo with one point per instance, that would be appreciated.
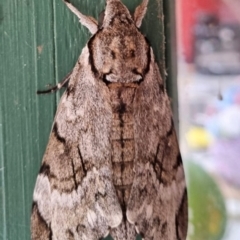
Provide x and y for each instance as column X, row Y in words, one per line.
column 89, row 22
column 58, row 86
column 140, row 12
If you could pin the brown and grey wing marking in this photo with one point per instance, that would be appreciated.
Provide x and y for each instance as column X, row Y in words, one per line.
column 74, row 197
column 158, row 202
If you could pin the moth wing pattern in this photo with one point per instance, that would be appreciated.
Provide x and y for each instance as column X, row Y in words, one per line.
column 158, row 202
column 74, row 197
column 112, row 164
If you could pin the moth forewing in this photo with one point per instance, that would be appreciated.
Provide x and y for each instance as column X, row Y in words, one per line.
column 112, row 164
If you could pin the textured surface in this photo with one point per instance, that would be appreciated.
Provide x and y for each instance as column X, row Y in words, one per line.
column 112, row 157
column 40, row 42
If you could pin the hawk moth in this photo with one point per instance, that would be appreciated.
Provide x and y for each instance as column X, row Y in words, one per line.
column 112, row 164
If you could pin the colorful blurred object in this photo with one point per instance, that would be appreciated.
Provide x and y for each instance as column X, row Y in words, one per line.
column 207, row 212
column 224, row 121
column 189, row 10
column 229, row 122
column 225, row 157
column 198, row 138
column 209, row 32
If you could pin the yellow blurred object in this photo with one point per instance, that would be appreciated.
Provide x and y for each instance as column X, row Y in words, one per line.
column 198, row 138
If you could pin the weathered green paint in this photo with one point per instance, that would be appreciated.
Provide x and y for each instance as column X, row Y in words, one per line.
column 40, row 43
column 171, row 56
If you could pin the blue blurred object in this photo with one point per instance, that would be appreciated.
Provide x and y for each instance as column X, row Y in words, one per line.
column 224, row 121
column 230, row 96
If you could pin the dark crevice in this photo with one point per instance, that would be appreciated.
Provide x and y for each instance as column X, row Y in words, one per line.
column 56, row 133
column 70, row 234
column 70, row 90
column 164, row 228
column 74, row 175
column 161, row 88
column 99, row 194
column 170, row 131
column 146, row 70
column 63, row 190
column 91, row 55
column 159, row 164
column 156, row 154
column 45, row 169
column 181, row 224
column 42, row 220
column 178, row 162
column 82, row 162
column 124, row 207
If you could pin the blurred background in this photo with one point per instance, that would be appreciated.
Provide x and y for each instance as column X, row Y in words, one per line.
column 209, row 103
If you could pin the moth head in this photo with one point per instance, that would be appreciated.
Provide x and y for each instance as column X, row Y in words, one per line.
column 115, row 7
column 118, row 51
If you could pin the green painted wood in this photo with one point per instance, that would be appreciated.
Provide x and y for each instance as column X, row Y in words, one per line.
column 171, row 57
column 40, row 43
column 24, row 117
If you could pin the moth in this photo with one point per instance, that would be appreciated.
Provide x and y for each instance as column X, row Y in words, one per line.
column 112, row 164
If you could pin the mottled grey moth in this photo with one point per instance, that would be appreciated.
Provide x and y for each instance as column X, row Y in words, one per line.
column 112, row 164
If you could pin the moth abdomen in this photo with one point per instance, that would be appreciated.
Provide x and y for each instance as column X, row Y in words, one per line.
column 122, row 138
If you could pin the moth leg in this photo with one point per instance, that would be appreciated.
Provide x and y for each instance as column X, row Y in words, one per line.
column 58, row 86
column 140, row 12
column 89, row 22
